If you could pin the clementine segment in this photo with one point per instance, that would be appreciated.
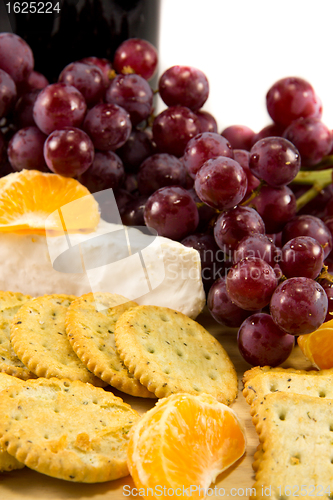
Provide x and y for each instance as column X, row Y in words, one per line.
column 182, row 444
column 318, row 346
column 28, row 198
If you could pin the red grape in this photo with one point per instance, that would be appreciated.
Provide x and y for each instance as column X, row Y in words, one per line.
column 134, row 94
column 23, row 111
column 302, row 256
column 88, row 79
column 276, row 206
column 203, row 147
column 251, row 283
column 231, row 226
column 299, row 305
column 106, row 172
column 207, row 121
column 25, row 150
column 132, row 214
column 184, row 86
column 136, row 149
column 328, row 287
column 308, row 225
column 291, row 98
column 68, row 152
column 275, row 160
column 243, row 158
column 312, row 138
column 103, row 64
column 262, row 343
column 172, row 212
column 160, row 170
column 221, row 183
column 108, row 125
column 239, row 136
column 173, row 128
column 256, row 245
column 138, row 56
column 16, row 57
column 57, row 106
column 221, row 307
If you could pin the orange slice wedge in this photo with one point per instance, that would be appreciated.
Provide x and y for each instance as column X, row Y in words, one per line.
column 317, row 346
column 182, row 444
column 29, row 197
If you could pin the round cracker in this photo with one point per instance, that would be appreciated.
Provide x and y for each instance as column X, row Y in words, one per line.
column 39, row 339
column 10, row 303
column 66, row 429
column 90, row 323
column 169, row 353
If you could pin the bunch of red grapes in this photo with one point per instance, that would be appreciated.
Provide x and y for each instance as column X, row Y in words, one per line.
column 242, row 199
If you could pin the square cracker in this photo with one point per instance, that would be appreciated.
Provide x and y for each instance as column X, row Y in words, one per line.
column 296, row 432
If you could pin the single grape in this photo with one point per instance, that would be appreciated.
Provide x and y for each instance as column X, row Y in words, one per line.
column 276, row 206
column 291, row 98
column 138, row 56
column 302, row 256
column 272, row 130
column 130, row 182
column 25, row 150
column 308, row 225
column 251, row 283
column 173, row 128
column 275, row 160
column 23, row 110
column 299, row 305
column 172, row 212
column 328, row 287
column 243, row 158
column 106, row 172
column 221, row 183
column 184, row 86
column 68, row 152
column 160, row 170
column 133, row 93
column 213, row 262
column 103, row 64
column 108, row 126
column 132, row 215
column 88, row 79
column 312, row 138
column 231, row 226
column 239, row 136
column 221, row 307
column 256, row 245
column 16, row 57
column 262, row 343
column 203, row 147
column 207, row 121
column 136, row 149
column 57, row 106
column 37, row 81
column 8, row 93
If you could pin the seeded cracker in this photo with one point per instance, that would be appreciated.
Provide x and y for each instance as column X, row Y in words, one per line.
column 170, row 353
column 90, row 323
column 66, row 429
column 39, row 339
column 8, row 462
column 296, row 435
column 10, row 303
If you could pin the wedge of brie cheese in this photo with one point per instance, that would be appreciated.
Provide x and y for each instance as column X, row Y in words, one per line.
column 114, row 258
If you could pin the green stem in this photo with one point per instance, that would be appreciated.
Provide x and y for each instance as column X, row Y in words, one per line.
column 319, row 179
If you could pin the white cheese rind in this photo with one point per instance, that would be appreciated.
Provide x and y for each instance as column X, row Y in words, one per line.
column 170, row 277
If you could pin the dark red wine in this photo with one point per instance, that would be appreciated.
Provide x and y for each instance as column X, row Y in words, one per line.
column 68, row 30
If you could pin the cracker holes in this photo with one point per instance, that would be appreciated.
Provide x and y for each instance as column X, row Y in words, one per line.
column 46, row 436
column 331, row 427
column 273, row 388
column 282, row 415
column 212, row 376
column 151, row 350
column 166, row 371
column 164, row 318
column 207, row 356
column 196, row 388
column 322, row 394
column 179, row 353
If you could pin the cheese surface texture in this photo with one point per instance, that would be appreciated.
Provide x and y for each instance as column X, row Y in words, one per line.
column 114, row 258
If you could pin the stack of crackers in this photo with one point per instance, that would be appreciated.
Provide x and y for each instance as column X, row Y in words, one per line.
column 293, row 414
column 59, row 356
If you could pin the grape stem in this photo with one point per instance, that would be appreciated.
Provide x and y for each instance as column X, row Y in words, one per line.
column 319, row 179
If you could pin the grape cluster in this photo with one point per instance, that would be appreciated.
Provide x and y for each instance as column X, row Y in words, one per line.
column 258, row 207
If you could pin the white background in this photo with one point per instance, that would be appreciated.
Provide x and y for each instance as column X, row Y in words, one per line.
column 244, row 46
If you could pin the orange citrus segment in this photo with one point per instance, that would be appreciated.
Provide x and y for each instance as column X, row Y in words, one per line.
column 318, row 346
column 183, row 443
column 29, row 197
